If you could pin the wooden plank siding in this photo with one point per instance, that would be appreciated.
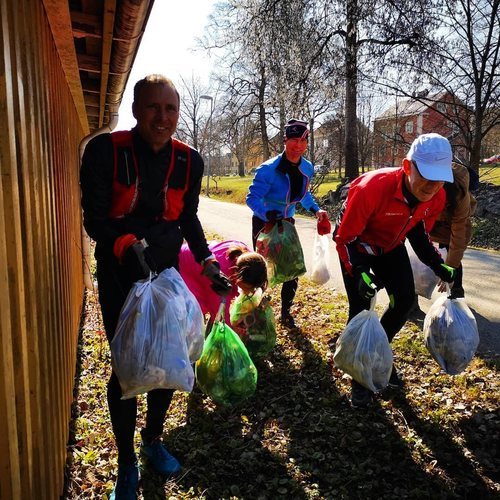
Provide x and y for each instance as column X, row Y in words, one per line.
column 41, row 281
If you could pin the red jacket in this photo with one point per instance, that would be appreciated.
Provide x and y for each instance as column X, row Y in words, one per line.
column 376, row 216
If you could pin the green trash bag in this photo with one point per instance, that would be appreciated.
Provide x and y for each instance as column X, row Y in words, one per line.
column 281, row 248
column 255, row 314
column 225, row 371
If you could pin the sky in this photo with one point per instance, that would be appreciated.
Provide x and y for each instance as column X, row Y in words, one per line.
column 170, row 33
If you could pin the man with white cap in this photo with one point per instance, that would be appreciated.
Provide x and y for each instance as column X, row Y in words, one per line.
column 382, row 209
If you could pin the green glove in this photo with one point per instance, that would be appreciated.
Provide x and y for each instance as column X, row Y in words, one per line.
column 445, row 273
column 368, row 285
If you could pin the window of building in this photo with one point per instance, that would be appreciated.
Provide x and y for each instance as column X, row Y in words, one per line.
column 441, row 106
column 409, row 127
column 325, row 143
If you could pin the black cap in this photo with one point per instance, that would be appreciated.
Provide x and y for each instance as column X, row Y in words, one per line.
column 296, row 129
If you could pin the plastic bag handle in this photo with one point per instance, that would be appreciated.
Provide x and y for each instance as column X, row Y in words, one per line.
column 222, row 309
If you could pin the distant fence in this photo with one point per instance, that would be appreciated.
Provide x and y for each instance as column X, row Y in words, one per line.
column 41, row 289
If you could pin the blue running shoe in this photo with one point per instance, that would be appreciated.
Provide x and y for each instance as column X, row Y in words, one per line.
column 126, row 483
column 159, row 458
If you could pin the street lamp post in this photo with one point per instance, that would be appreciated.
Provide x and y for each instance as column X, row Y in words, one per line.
column 211, row 99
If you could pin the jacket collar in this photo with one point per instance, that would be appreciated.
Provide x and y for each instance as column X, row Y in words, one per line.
column 284, row 162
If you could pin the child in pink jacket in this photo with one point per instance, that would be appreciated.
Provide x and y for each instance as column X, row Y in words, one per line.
column 246, row 270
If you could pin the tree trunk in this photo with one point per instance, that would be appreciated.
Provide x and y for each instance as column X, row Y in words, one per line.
column 262, row 115
column 241, row 168
column 311, row 142
column 340, row 150
column 281, row 137
column 475, row 150
column 351, row 84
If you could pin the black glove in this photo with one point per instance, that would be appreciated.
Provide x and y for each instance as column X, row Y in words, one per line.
column 445, row 272
column 368, row 284
column 137, row 259
column 273, row 215
column 220, row 282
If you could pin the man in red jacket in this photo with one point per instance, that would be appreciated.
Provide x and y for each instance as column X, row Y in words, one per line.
column 382, row 209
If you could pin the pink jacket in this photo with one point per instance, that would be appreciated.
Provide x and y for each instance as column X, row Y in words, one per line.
column 199, row 285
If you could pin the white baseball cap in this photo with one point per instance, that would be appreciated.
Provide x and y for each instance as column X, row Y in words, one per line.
column 433, row 156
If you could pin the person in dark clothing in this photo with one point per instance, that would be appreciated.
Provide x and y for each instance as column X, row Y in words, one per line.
column 278, row 186
column 382, row 209
column 140, row 194
column 453, row 228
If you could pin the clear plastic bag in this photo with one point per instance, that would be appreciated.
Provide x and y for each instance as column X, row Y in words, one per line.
column 281, row 248
column 158, row 337
column 363, row 351
column 225, row 371
column 423, row 276
column 255, row 314
column 321, row 259
column 451, row 334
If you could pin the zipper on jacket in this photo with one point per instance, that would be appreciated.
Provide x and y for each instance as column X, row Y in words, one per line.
column 402, row 229
column 126, row 166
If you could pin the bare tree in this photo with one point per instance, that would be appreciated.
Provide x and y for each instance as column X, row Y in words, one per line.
column 240, row 133
column 273, row 67
column 194, row 120
column 371, row 32
column 463, row 62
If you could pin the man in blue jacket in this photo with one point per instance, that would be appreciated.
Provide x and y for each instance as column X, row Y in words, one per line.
column 279, row 184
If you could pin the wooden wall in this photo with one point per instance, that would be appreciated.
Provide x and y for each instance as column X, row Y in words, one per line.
column 41, row 289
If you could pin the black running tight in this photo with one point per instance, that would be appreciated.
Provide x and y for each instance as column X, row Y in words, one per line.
column 393, row 269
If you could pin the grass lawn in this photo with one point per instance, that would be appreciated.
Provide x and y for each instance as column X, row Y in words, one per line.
column 490, row 174
column 235, row 188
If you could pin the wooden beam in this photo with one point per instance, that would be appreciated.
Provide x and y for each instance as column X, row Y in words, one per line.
column 92, row 64
column 92, row 100
column 90, row 85
column 86, row 25
column 107, row 41
column 60, row 24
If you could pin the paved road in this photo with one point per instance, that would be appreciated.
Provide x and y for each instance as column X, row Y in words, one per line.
column 481, row 268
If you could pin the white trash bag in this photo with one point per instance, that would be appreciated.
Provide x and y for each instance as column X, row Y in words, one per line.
column 158, row 337
column 363, row 351
column 451, row 334
column 321, row 259
column 423, row 276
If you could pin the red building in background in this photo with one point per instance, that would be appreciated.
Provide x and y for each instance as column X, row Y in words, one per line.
column 398, row 126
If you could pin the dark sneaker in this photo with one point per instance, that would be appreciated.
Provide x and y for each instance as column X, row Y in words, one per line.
column 126, row 483
column 288, row 322
column 159, row 458
column 361, row 397
column 395, row 380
